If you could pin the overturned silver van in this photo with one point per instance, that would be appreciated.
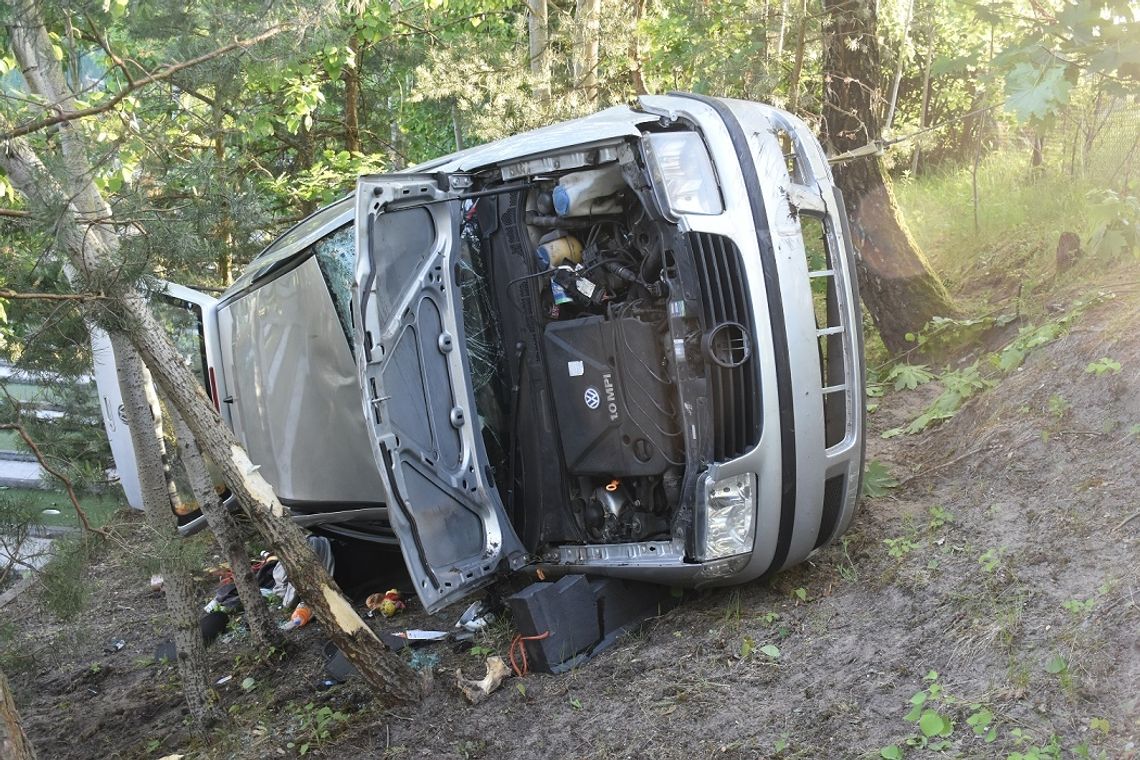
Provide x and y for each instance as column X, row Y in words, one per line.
column 625, row 345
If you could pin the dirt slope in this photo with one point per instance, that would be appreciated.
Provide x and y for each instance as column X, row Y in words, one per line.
column 1021, row 590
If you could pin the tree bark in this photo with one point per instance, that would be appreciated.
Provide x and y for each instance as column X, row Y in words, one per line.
column 144, row 420
column 538, row 29
column 899, row 289
column 225, row 530
column 636, row 69
column 798, row 61
column 893, row 104
column 587, row 18
column 924, row 118
column 14, row 742
column 351, row 77
column 91, row 244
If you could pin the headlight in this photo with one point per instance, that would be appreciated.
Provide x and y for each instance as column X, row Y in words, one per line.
column 682, row 172
column 725, row 525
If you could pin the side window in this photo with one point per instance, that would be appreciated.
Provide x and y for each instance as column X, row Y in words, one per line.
column 183, row 323
column 336, row 256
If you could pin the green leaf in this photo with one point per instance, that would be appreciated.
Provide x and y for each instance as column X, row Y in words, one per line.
column 248, row 683
column 891, row 752
column 576, row 703
column 1056, row 665
column 933, row 724
column 877, row 480
column 746, row 647
column 1036, row 92
column 771, row 650
column 909, row 376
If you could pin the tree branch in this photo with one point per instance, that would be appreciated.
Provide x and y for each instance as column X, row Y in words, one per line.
column 57, row 475
column 13, row 295
column 158, row 76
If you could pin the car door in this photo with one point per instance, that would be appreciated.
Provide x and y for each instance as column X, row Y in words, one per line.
column 411, row 353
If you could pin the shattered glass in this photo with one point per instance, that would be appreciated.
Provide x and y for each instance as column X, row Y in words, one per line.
column 336, row 256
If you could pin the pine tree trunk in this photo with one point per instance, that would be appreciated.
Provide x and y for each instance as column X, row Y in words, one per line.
column 145, row 424
column 351, row 77
column 899, row 289
column 587, row 19
column 637, row 73
column 87, row 235
column 538, row 29
column 798, row 61
column 225, row 530
column 381, row 668
column 14, row 743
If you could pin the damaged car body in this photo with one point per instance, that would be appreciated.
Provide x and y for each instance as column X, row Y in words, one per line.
column 627, row 345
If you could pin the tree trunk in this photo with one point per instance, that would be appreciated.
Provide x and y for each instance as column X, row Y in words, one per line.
column 381, row 668
column 351, row 77
column 586, row 49
column 798, row 63
column 144, row 420
column 14, row 743
column 925, row 116
column 899, row 289
column 539, row 33
column 87, row 236
column 893, row 104
column 225, row 530
column 636, row 71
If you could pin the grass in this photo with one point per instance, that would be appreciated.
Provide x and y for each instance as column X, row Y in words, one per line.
column 99, row 507
column 1018, row 221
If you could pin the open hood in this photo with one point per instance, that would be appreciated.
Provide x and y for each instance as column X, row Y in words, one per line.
column 411, row 353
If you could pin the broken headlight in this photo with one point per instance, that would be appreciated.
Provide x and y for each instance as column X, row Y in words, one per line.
column 725, row 525
column 683, row 176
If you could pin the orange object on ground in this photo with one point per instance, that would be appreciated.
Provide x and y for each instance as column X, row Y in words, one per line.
column 301, row 616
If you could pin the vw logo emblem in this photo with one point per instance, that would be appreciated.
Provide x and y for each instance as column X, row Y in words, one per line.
column 593, row 398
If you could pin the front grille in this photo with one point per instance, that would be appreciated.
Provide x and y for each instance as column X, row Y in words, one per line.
column 734, row 391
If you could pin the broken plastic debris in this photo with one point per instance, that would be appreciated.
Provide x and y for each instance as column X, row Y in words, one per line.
column 416, row 634
column 476, row 617
column 50, row 512
column 223, row 680
column 115, row 646
column 477, row 691
column 156, row 582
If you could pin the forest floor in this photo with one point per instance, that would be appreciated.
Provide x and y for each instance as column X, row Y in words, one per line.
column 997, row 585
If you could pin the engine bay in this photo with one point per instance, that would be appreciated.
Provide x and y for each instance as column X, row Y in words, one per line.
column 590, row 276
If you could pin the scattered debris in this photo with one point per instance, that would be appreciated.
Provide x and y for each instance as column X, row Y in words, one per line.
column 476, row 617
column 223, row 680
column 156, row 582
column 301, row 616
column 422, row 660
column 387, row 604
column 115, row 646
column 563, row 624
column 477, row 691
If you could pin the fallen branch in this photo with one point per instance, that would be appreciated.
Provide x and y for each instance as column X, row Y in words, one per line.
column 13, row 295
column 158, row 76
column 58, row 476
column 14, row 213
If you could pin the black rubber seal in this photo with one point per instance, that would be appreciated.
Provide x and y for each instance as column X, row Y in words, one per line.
column 779, row 329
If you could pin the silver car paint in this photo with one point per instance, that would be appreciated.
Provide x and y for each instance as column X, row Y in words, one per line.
column 296, row 401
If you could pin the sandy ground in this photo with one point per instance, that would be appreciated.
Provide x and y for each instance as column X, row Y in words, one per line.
column 1000, row 580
